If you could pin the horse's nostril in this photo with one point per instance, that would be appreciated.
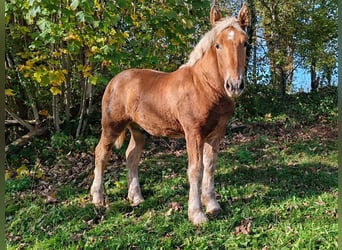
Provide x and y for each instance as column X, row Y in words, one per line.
column 228, row 86
column 242, row 85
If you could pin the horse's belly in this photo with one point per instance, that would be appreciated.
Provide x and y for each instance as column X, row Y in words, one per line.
column 160, row 127
column 168, row 132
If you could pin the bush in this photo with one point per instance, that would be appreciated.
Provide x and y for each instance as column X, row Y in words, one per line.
column 262, row 101
column 61, row 142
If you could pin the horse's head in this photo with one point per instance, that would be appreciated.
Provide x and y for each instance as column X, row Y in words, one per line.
column 230, row 46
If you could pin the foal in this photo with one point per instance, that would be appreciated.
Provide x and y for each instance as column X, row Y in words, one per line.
column 193, row 102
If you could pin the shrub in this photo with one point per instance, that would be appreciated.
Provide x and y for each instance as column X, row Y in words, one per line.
column 262, row 101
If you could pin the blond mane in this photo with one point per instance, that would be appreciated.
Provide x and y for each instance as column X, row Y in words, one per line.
column 208, row 39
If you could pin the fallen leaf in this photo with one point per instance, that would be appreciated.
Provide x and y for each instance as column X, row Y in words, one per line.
column 22, row 171
column 176, row 206
column 7, row 175
column 50, row 199
column 9, row 92
column 244, row 227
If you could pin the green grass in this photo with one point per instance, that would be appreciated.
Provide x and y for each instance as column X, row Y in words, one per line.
column 277, row 190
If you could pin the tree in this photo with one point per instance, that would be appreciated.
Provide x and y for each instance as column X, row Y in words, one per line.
column 62, row 54
column 317, row 43
column 278, row 34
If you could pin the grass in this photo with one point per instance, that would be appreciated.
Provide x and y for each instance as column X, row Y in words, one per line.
column 277, row 187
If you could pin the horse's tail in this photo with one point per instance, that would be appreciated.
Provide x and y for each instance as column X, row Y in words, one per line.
column 120, row 140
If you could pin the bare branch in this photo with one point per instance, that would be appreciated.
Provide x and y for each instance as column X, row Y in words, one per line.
column 21, row 121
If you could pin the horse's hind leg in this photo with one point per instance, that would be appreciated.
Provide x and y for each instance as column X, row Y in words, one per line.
column 102, row 154
column 133, row 154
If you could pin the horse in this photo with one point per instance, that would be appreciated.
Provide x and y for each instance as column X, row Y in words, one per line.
column 193, row 102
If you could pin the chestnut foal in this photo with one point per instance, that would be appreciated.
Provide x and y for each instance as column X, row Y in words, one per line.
column 193, row 102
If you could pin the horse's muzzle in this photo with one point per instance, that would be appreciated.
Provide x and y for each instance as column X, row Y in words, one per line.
column 234, row 88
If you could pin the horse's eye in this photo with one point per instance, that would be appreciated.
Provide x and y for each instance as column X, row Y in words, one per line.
column 245, row 44
column 217, row 46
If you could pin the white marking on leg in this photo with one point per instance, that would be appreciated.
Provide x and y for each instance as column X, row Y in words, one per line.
column 208, row 194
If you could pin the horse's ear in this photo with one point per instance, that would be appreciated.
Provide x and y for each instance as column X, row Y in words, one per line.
column 214, row 15
column 243, row 17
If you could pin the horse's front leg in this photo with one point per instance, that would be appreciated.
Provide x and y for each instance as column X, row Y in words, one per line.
column 195, row 174
column 208, row 194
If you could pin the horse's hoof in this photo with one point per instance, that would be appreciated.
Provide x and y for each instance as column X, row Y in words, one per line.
column 136, row 203
column 197, row 218
column 98, row 200
column 213, row 212
column 213, row 209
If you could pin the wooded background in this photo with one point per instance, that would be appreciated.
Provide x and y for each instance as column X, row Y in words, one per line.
column 61, row 54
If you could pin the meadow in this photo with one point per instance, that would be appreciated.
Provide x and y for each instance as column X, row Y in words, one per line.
column 276, row 182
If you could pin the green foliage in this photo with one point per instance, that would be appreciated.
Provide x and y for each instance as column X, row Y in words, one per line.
column 265, row 103
column 61, row 142
column 56, row 47
column 91, row 142
column 64, row 53
column 18, row 185
column 320, row 16
column 289, row 41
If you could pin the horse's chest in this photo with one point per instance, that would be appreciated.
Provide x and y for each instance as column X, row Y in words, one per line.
column 216, row 116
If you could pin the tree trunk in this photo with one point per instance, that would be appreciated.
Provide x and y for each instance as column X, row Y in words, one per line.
column 251, row 49
column 67, row 86
column 254, row 68
column 83, row 109
column 314, row 79
column 55, row 112
column 290, row 67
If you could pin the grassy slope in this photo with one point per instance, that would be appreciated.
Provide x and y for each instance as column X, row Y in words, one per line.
column 277, row 188
column 276, row 182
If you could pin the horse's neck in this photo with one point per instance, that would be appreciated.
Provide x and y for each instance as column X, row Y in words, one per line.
column 208, row 73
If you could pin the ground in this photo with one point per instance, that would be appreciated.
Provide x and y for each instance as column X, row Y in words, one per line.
column 276, row 184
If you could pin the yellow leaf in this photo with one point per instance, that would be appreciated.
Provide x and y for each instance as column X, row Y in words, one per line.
column 106, row 63
column 268, row 116
column 37, row 76
column 100, row 39
column 56, row 78
column 7, row 175
column 43, row 112
column 118, row 184
column 125, row 34
column 21, row 67
column 55, row 54
column 94, row 49
column 22, row 171
column 93, row 80
column 38, row 173
column 55, row 91
column 63, row 51
column 86, row 71
column 9, row 92
column 97, row 5
column 71, row 36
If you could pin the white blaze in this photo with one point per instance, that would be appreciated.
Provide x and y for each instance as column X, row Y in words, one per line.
column 231, row 35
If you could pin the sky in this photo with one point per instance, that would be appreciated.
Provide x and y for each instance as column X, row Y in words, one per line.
column 302, row 80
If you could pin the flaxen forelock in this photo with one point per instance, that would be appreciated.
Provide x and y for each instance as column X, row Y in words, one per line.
column 208, row 39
